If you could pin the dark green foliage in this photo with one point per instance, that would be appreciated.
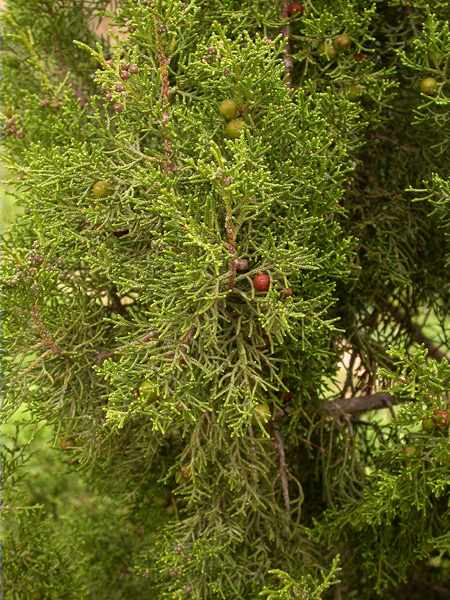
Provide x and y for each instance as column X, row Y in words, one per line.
column 61, row 538
column 193, row 402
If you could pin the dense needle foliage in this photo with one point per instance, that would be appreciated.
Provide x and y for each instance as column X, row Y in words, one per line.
column 226, row 301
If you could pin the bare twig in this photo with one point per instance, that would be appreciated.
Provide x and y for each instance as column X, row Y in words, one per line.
column 359, row 404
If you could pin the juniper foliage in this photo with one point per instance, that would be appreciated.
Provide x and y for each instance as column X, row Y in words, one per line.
column 209, row 311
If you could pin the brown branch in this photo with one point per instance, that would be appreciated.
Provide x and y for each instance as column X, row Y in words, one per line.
column 231, row 247
column 283, row 469
column 287, row 58
column 164, row 61
column 359, row 404
column 46, row 338
column 404, row 320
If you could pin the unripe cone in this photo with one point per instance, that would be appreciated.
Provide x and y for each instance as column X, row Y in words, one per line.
column 356, row 90
column 329, row 50
column 234, row 128
column 228, row 108
column 261, row 282
column 427, row 424
column 343, row 41
column 101, row 188
column 428, row 86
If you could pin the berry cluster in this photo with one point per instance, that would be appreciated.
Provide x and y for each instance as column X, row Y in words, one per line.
column 11, row 129
column 230, row 110
column 125, row 72
column 330, row 48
